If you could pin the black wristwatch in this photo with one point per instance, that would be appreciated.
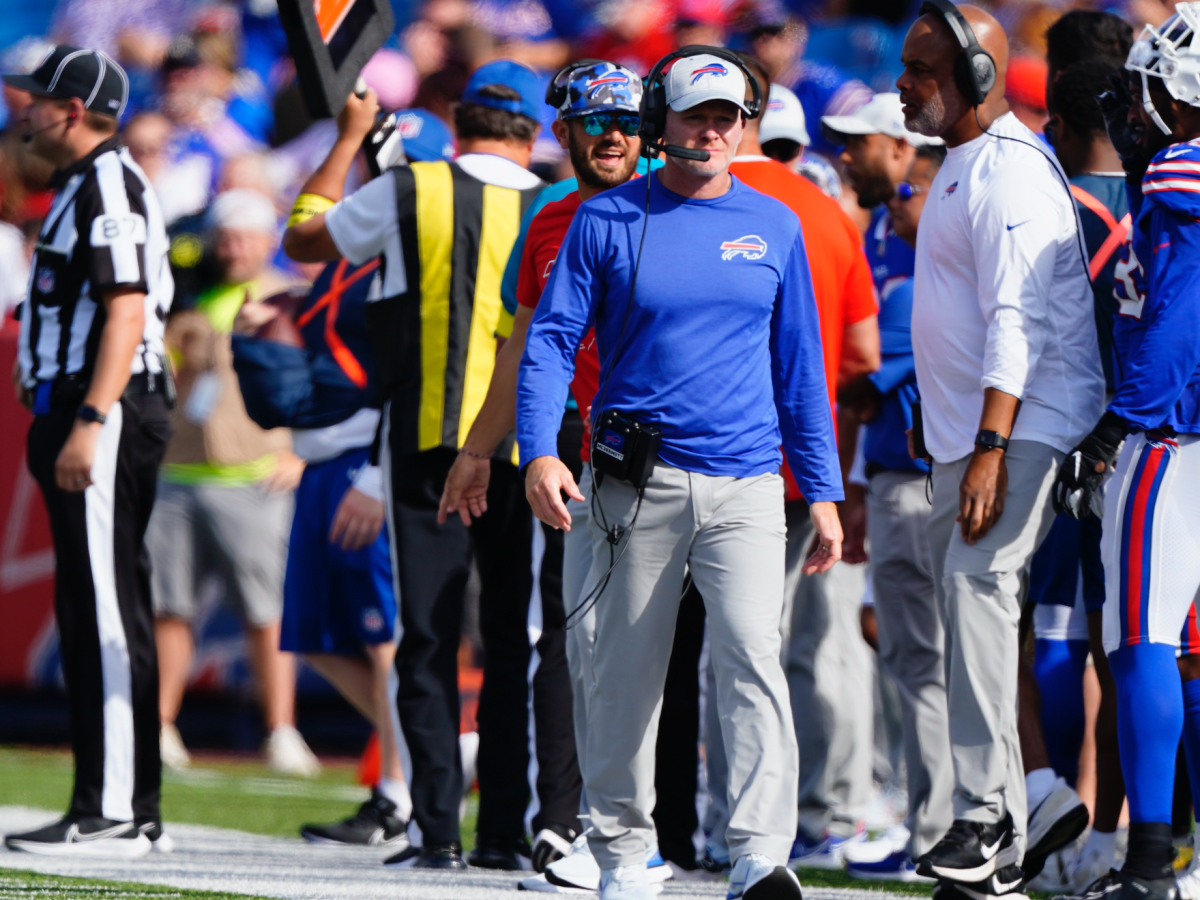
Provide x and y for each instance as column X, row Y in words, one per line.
column 991, row 440
column 87, row 413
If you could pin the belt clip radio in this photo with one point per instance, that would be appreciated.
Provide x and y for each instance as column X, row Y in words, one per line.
column 625, row 448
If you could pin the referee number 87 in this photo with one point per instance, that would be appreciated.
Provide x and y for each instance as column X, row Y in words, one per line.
column 106, row 230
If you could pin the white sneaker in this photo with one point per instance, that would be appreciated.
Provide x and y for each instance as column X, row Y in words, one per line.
column 892, row 841
column 1053, row 824
column 1188, row 882
column 756, row 875
column 626, row 883
column 579, row 871
column 287, row 754
column 170, row 746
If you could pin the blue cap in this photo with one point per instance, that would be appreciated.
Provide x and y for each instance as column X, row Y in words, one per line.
column 425, row 136
column 508, row 74
column 601, row 87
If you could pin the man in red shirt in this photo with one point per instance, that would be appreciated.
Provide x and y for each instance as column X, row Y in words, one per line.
column 828, row 663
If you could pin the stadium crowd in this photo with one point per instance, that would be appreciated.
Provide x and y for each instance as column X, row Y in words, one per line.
column 809, row 388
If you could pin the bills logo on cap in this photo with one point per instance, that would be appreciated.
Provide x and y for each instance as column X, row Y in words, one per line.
column 714, row 69
column 45, row 280
column 409, row 125
column 751, row 246
column 774, row 104
column 611, row 80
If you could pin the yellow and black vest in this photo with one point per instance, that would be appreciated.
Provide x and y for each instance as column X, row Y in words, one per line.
column 435, row 344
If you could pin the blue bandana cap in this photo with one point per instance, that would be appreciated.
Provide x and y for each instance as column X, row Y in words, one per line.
column 601, row 87
column 509, row 74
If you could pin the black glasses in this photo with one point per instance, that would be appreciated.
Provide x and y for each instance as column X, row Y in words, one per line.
column 596, row 124
column 906, row 191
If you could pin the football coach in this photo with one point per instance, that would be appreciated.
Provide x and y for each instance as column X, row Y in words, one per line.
column 710, row 350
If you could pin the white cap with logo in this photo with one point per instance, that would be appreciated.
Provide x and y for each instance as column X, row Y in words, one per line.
column 783, row 118
column 697, row 79
column 882, row 114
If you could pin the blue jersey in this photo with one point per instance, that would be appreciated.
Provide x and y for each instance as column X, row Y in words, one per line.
column 1156, row 334
column 720, row 346
column 892, row 262
column 332, row 376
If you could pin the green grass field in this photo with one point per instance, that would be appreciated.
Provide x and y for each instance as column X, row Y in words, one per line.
column 241, row 794
column 17, row 885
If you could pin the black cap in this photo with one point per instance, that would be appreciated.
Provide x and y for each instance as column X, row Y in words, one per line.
column 92, row 76
column 181, row 54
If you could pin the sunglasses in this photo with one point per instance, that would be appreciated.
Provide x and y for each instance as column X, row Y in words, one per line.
column 596, row 124
column 906, row 191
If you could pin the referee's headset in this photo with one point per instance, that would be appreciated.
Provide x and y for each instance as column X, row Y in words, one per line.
column 654, row 102
column 28, row 136
column 975, row 76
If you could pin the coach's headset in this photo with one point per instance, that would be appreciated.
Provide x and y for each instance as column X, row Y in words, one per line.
column 654, row 102
column 975, row 76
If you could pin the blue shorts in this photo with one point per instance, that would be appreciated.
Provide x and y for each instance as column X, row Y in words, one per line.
column 1068, row 564
column 334, row 600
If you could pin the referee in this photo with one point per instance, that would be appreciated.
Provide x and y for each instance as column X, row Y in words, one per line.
column 91, row 370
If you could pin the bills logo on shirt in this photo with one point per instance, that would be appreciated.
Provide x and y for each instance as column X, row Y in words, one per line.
column 45, row 280
column 611, row 80
column 950, row 190
column 715, row 69
column 751, row 247
column 372, row 620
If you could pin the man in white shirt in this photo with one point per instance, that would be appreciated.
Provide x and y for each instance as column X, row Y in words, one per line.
column 1002, row 324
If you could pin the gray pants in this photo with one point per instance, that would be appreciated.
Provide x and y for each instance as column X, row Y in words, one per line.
column 911, row 640
column 730, row 533
column 979, row 591
column 581, row 635
column 829, row 676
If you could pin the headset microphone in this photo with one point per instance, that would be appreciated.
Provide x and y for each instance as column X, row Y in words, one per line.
column 29, row 135
column 682, row 152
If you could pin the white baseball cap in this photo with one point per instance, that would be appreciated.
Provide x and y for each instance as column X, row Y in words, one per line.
column 882, row 114
column 783, row 118
column 697, row 79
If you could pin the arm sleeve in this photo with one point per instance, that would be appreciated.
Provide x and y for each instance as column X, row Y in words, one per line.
column 112, row 221
column 564, row 315
column 362, row 224
column 798, row 376
column 1016, row 226
column 895, row 331
column 369, row 481
column 1159, row 368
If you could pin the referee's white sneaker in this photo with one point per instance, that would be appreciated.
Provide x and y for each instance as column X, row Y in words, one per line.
column 756, row 877
column 287, row 753
column 626, row 883
column 92, row 837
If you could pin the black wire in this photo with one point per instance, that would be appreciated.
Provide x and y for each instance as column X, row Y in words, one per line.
column 593, row 595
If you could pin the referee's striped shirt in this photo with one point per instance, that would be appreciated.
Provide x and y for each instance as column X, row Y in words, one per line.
column 104, row 231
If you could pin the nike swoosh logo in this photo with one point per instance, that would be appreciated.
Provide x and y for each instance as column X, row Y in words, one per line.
column 1019, row 224
column 1171, row 154
column 989, row 852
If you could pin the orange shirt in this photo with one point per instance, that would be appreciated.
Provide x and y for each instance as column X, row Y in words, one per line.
column 842, row 283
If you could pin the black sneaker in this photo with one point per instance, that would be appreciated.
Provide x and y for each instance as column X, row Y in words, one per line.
column 1004, row 884
column 550, row 844
column 374, row 825
column 160, row 841
column 83, row 837
column 504, row 854
column 970, row 852
column 1121, row 886
column 435, row 856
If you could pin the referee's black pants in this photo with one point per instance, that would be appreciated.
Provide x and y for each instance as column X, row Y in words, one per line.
column 432, row 563
column 102, row 603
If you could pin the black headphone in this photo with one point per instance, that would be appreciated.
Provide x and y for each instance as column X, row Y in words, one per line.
column 654, row 101
column 975, row 69
column 556, row 90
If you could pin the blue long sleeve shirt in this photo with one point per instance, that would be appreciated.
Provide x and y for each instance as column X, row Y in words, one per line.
column 720, row 347
column 1156, row 334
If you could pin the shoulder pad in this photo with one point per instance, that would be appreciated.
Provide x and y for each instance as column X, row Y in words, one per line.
column 1173, row 179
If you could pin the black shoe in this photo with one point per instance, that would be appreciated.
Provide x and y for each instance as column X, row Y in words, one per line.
column 781, row 884
column 552, row 843
column 505, row 854
column 83, row 837
column 970, row 852
column 435, row 856
column 160, row 841
column 1007, row 883
column 374, row 825
column 1054, row 823
column 1121, row 886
